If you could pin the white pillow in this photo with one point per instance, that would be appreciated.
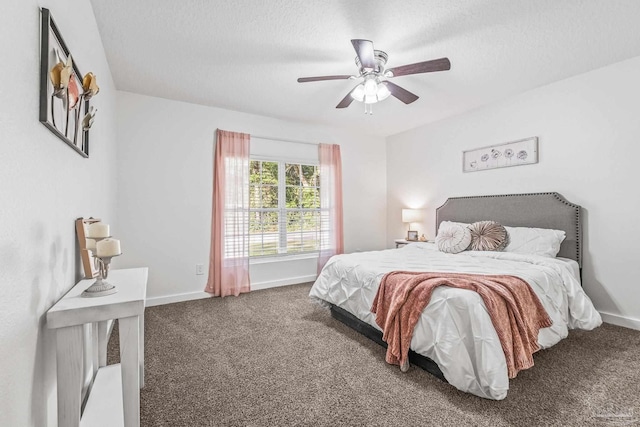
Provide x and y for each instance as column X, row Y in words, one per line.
column 527, row 240
column 536, row 241
column 453, row 238
column 447, row 224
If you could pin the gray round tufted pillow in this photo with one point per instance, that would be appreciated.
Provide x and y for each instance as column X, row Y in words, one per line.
column 488, row 236
column 453, row 239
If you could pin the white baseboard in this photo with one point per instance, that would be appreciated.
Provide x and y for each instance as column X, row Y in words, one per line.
column 189, row 296
column 616, row 319
column 170, row 299
column 285, row 282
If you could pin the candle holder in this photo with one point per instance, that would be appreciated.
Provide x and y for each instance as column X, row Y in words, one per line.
column 101, row 287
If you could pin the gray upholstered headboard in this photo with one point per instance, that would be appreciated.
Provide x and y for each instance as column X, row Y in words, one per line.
column 540, row 210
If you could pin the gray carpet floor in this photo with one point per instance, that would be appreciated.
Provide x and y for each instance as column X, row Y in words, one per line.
column 271, row 358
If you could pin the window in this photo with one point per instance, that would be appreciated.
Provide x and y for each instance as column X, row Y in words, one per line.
column 284, row 208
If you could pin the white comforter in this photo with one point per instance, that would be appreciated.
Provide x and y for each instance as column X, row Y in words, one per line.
column 455, row 329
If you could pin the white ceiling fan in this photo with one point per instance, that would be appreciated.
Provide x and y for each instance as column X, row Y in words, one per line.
column 375, row 85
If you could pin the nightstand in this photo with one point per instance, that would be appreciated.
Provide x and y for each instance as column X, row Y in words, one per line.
column 402, row 242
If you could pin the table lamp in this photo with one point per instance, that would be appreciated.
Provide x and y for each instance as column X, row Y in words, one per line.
column 410, row 216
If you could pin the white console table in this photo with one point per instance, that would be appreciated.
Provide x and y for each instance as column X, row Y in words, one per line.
column 114, row 397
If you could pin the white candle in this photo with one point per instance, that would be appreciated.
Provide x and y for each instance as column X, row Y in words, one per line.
column 91, row 244
column 108, row 247
column 98, row 229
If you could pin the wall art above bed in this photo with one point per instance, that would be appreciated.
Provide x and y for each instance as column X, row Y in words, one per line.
column 65, row 93
column 514, row 153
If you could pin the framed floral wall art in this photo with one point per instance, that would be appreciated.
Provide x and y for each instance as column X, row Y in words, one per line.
column 65, row 93
column 514, row 153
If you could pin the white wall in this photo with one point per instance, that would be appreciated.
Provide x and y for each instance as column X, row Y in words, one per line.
column 44, row 187
column 165, row 189
column 589, row 149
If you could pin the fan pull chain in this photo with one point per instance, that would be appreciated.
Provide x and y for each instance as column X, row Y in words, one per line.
column 368, row 109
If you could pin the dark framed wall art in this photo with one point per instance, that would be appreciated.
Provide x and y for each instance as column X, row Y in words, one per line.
column 65, row 93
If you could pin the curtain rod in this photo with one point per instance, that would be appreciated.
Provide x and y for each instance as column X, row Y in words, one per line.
column 284, row 140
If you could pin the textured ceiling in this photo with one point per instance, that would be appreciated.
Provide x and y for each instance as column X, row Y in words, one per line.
column 246, row 55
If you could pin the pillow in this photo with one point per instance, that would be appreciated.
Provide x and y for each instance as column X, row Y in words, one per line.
column 453, row 239
column 535, row 241
column 488, row 236
column 447, row 224
column 527, row 240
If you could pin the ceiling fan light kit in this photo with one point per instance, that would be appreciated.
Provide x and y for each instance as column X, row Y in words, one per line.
column 371, row 91
column 375, row 87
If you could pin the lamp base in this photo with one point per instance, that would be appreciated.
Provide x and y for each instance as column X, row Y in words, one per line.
column 99, row 288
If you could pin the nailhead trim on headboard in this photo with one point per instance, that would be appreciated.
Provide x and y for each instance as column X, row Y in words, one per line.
column 557, row 196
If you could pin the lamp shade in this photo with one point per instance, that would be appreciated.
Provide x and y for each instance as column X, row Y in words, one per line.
column 358, row 92
column 411, row 215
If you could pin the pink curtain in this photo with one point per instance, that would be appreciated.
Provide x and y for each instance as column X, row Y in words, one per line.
column 229, row 256
column 331, row 232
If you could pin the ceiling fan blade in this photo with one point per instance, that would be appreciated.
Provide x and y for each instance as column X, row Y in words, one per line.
column 364, row 49
column 347, row 100
column 400, row 93
column 441, row 64
column 317, row 79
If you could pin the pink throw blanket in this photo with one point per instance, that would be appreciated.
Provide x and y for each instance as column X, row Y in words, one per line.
column 515, row 311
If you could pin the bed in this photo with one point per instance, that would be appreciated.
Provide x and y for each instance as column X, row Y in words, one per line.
column 454, row 338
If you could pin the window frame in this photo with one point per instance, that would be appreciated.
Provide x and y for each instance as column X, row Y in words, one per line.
column 282, row 209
